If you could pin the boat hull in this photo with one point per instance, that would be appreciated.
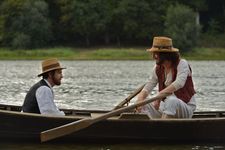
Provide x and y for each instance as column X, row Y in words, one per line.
column 27, row 127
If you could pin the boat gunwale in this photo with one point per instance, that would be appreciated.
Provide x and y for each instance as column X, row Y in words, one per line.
column 77, row 117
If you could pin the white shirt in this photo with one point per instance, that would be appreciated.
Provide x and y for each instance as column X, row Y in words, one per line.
column 45, row 100
column 183, row 71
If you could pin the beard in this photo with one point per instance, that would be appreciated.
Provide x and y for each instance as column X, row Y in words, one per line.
column 56, row 81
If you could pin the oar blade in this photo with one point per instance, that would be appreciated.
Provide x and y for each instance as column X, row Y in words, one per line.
column 81, row 124
column 65, row 129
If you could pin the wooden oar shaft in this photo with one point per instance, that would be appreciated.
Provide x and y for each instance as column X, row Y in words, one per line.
column 84, row 123
column 125, row 101
column 125, row 109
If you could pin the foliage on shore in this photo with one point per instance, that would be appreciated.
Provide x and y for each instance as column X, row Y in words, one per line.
column 109, row 22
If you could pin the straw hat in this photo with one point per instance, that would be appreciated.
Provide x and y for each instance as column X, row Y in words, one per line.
column 162, row 44
column 49, row 65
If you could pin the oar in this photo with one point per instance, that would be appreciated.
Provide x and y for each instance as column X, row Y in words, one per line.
column 127, row 100
column 84, row 123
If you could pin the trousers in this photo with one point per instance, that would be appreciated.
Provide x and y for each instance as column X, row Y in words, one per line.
column 172, row 106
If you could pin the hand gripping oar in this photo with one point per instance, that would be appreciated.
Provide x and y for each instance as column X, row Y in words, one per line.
column 84, row 123
column 127, row 100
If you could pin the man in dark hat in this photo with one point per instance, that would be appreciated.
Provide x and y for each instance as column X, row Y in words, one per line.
column 40, row 97
column 172, row 75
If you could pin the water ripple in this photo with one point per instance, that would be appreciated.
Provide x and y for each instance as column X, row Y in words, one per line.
column 104, row 84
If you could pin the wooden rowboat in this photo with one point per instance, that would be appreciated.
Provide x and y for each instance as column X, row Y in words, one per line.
column 203, row 127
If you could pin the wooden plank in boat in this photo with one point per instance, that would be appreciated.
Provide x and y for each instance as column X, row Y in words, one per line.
column 94, row 115
column 133, row 116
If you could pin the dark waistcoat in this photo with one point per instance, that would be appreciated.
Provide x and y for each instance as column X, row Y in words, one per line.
column 30, row 103
column 185, row 93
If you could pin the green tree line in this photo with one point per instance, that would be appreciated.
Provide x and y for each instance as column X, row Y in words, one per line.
column 46, row 23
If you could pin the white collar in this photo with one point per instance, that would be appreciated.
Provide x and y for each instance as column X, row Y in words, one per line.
column 48, row 83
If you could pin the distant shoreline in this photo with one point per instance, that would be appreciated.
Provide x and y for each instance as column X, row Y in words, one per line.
column 139, row 53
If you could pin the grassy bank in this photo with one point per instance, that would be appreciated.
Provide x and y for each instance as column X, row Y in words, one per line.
column 104, row 54
column 206, row 54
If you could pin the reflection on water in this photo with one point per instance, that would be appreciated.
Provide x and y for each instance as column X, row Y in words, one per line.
column 103, row 84
column 134, row 146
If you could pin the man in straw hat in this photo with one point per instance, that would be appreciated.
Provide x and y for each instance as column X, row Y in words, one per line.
column 40, row 97
column 173, row 75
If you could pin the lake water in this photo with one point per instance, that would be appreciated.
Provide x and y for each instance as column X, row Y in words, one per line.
column 102, row 85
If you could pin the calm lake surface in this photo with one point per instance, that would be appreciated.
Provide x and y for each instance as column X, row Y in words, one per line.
column 102, row 85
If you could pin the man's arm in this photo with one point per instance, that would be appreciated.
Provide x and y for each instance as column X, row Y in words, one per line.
column 45, row 100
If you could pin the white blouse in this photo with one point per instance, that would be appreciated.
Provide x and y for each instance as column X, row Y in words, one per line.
column 183, row 71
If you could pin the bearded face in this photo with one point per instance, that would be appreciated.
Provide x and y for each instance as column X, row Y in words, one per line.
column 56, row 77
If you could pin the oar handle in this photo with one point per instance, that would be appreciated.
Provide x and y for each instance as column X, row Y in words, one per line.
column 128, row 99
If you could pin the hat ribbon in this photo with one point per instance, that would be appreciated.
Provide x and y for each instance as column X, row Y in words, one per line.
column 163, row 47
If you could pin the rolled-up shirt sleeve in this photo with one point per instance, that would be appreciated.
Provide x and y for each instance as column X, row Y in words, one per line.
column 152, row 81
column 45, row 100
column 183, row 71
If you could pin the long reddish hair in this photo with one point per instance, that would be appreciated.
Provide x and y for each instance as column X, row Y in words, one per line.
column 173, row 57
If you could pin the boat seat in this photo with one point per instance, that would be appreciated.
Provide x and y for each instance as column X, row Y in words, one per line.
column 94, row 115
column 134, row 116
column 8, row 108
column 137, row 116
column 209, row 115
column 75, row 113
column 5, row 108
